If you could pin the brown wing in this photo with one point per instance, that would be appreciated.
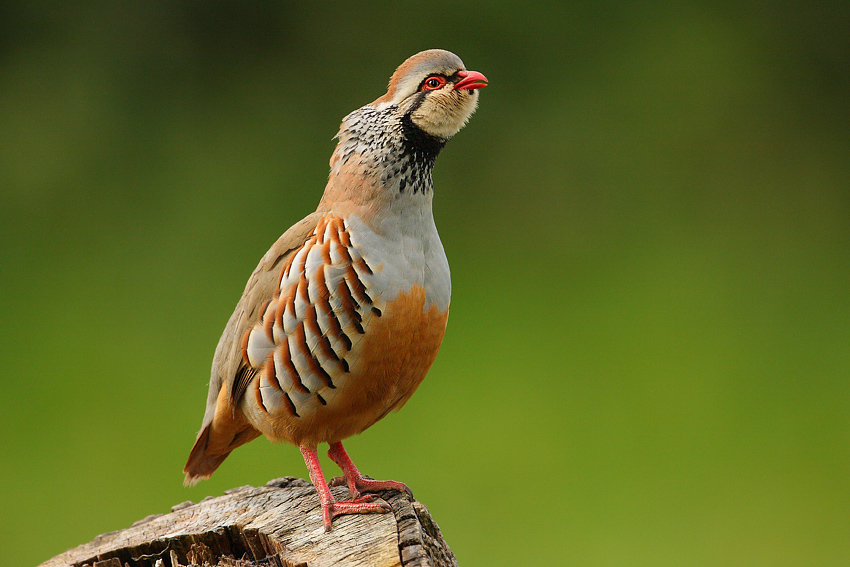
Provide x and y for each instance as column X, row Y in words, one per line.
column 229, row 371
column 227, row 362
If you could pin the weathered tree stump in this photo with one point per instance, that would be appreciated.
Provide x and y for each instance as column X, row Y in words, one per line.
column 280, row 525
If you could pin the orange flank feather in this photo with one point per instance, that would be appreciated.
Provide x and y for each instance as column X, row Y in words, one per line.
column 402, row 345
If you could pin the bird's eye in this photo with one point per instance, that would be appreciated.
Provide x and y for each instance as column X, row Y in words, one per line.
column 433, row 83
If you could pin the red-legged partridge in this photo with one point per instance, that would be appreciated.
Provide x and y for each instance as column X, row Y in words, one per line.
column 341, row 320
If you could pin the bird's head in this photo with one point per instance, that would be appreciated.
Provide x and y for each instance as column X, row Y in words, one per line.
column 436, row 91
column 393, row 142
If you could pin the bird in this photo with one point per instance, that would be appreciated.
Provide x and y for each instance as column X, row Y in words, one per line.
column 344, row 315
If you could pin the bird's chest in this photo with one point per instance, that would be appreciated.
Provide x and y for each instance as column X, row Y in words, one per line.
column 403, row 255
column 358, row 319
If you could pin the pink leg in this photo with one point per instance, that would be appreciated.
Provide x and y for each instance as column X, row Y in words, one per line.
column 352, row 477
column 332, row 508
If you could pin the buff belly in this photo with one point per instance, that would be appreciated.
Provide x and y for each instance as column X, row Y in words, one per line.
column 388, row 364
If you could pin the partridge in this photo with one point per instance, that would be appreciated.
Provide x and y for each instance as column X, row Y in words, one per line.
column 344, row 315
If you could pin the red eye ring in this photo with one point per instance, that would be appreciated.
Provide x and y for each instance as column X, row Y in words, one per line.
column 433, row 83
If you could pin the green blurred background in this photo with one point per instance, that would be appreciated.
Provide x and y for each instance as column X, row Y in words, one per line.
column 648, row 222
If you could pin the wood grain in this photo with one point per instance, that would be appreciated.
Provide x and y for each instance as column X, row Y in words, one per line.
column 276, row 525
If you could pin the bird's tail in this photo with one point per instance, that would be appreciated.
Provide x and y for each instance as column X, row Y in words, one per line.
column 206, row 456
column 213, row 445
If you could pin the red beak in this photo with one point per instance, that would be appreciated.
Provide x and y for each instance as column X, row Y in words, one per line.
column 471, row 80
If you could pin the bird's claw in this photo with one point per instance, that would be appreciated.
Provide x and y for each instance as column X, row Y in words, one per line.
column 362, row 505
column 363, row 484
column 363, row 498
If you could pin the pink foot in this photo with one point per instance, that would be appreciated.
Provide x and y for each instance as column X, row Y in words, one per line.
column 331, row 508
column 356, row 482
